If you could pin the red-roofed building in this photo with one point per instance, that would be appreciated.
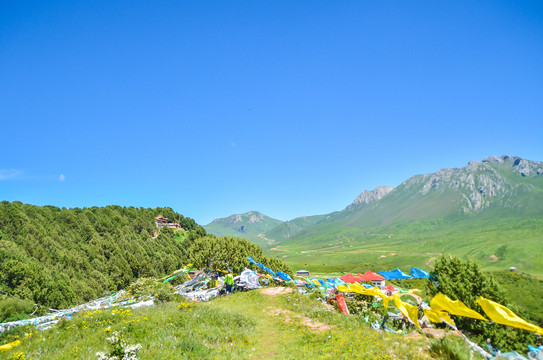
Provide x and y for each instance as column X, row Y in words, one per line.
column 350, row 278
column 376, row 279
column 161, row 221
column 389, row 289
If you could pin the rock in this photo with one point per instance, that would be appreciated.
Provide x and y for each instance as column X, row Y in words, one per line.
column 367, row 197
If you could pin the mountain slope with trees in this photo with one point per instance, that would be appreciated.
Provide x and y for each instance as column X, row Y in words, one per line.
column 61, row 257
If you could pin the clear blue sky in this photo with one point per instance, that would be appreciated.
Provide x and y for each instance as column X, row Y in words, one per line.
column 286, row 107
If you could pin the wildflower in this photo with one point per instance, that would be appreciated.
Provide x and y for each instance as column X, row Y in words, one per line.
column 19, row 355
column 119, row 349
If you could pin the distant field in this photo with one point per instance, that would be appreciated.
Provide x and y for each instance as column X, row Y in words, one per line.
column 524, row 291
column 495, row 246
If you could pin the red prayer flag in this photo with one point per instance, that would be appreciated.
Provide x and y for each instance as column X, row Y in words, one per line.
column 340, row 298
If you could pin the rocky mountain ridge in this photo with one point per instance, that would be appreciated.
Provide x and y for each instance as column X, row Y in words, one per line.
column 367, row 197
column 504, row 183
column 479, row 184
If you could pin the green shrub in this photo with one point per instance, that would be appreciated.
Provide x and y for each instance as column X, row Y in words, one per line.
column 179, row 280
column 151, row 287
column 192, row 348
column 449, row 348
column 12, row 309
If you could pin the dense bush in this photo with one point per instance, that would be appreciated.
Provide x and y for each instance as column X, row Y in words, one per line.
column 450, row 348
column 531, row 288
column 151, row 287
column 230, row 252
column 12, row 309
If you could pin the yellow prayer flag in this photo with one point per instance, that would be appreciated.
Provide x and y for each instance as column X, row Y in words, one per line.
column 438, row 316
column 375, row 291
column 359, row 289
column 409, row 311
column 502, row 315
column 10, row 345
column 457, row 307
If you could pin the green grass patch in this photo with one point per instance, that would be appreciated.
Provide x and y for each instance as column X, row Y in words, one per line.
column 248, row 325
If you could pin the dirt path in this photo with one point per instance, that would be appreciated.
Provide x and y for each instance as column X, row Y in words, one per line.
column 269, row 341
column 288, row 317
column 429, row 261
column 272, row 318
column 273, row 322
column 273, row 291
column 263, row 237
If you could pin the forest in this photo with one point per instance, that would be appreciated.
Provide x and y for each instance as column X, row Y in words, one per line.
column 56, row 258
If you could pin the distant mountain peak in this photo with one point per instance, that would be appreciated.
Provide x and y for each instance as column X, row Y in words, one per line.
column 480, row 183
column 250, row 224
column 521, row 166
column 367, row 197
column 253, row 217
column 500, row 159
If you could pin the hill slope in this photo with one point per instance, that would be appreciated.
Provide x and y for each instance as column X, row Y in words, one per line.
column 63, row 257
column 247, row 325
column 490, row 210
column 60, row 257
column 249, row 225
column 296, row 226
column 293, row 227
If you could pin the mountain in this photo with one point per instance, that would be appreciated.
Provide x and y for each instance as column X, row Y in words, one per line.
column 295, row 226
column 486, row 209
column 250, row 225
column 495, row 184
column 369, row 197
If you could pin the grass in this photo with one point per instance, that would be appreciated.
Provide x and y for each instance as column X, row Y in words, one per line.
column 248, row 325
column 524, row 291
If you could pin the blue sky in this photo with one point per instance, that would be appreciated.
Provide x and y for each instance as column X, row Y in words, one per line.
column 286, row 107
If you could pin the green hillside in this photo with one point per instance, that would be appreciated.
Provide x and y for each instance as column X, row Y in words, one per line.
column 251, row 225
column 490, row 211
column 62, row 257
column 296, row 226
column 293, row 227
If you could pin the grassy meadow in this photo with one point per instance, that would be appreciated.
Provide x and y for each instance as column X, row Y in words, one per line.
column 494, row 244
column 248, row 325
